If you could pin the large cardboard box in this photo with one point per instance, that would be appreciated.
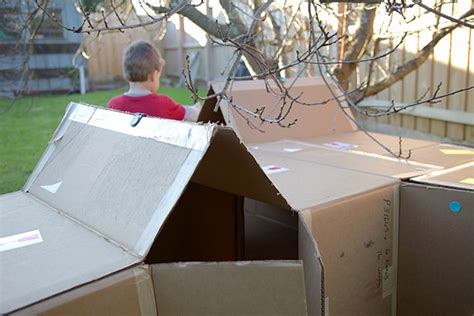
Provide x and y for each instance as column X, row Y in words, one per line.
column 107, row 196
column 436, row 249
column 347, row 218
column 295, row 159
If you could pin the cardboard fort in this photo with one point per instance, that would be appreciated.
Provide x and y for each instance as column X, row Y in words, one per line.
column 315, row 205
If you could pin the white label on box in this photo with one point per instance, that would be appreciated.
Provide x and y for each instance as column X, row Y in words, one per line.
column 20, row 240
column 270, row 169
column 292, row 150
column 339, row 145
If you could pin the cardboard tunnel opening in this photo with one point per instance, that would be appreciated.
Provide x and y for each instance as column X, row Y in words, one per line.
column 210, row 225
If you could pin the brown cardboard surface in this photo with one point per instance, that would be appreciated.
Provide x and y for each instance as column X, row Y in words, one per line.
column 345, row 159
column 461, row 177
column 240, row 288
column 69, row 254
column 436, row 251
column 451, row 157
column 252, row 95
column 362, row 142
column 202, row 227
column 357, row 238
column 305, row 184
column 228, row 166
column 270, row 232
column 129, row 292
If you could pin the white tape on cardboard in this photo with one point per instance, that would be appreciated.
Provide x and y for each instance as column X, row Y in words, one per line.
column 20, row 240
column 177, row 133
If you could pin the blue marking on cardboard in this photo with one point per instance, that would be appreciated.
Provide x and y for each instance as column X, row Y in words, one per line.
column 455, row 206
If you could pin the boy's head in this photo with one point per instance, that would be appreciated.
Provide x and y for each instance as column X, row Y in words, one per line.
column 141, row 62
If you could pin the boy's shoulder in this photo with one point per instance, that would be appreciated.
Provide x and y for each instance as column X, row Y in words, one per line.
column 116, row 101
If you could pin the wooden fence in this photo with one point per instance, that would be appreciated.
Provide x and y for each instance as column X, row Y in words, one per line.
column 450, row 63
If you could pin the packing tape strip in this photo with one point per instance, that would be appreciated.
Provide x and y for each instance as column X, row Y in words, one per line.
column 145, row 290
column 188, row 135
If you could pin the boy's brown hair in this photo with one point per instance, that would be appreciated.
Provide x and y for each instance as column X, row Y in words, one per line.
column 140, row 59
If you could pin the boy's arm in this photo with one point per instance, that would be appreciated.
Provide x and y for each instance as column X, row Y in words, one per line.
column 192, row 112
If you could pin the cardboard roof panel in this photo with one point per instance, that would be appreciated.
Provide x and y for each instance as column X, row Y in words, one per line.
column 54, row 254
column 305, row 184
column 312, row 121
column 120, row 184
column 346, row 159
column 230, row 288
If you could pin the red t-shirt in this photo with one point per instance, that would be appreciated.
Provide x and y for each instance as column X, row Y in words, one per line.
column 150, row 104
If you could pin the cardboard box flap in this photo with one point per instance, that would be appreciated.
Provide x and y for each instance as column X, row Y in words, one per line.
column 43, row 252
column 129, row 292
column 230, row 288
column 308, row 252
column 312, row 120
column 461, row 177
column 228, row 166
column 119, row 180
column 357, row 240
column 346, row 159
column 321, row 184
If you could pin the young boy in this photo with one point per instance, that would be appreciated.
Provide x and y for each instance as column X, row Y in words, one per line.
column 142, row 66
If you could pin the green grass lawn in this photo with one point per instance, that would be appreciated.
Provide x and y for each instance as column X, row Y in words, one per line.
column 27, row 126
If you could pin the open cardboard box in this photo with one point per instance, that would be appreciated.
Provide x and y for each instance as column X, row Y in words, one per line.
column 107, row 197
